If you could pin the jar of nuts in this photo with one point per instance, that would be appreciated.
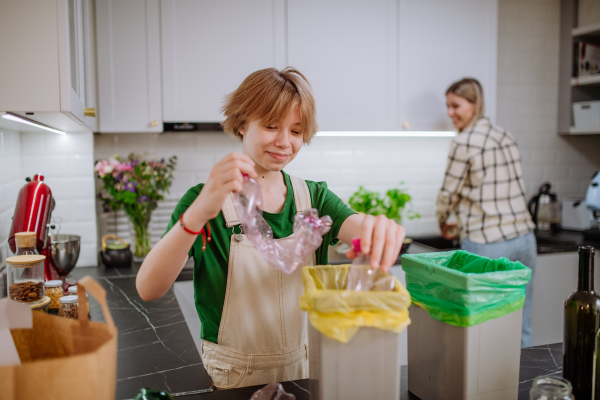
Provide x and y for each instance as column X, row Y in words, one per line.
column 25, row 276
column 73, row 291
column 55, row 292
column 69, row 307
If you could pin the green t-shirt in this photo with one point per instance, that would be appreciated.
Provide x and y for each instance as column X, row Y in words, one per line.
column 210, row 266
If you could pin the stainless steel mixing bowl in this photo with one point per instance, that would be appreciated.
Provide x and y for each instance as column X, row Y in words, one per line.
column 65, row 251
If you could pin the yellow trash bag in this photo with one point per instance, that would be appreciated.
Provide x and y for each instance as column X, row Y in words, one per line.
column 338, row 313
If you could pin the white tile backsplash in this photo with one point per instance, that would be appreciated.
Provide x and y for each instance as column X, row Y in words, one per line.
column 67, row 162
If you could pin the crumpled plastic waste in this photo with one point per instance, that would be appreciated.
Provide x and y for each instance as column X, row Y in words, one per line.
column 273, row 391
column 285, row 254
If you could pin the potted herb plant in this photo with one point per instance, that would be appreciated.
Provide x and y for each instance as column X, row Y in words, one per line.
column 137, row 185
column 394, row 204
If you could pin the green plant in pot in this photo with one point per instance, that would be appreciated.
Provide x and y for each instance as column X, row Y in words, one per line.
column 394, row 204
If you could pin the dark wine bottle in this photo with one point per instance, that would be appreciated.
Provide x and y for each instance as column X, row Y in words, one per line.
column 582, row 320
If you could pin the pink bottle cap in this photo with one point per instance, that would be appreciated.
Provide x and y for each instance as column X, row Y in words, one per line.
column 356, row 244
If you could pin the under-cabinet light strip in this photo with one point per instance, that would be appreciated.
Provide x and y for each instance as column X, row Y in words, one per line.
column 388, row 133
column 23, row 120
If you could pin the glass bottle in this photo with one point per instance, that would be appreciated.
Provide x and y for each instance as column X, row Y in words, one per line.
column 73, row 292
column 26, row 243
column 582, row 319
column 550, row 388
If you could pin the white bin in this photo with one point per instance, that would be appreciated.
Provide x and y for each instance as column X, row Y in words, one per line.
column 364, row 368
column 480, row 362
column 586, row 114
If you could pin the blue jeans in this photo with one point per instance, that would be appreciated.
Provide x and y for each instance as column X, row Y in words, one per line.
column 524, row 249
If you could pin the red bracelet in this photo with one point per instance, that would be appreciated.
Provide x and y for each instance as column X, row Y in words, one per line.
column 201, row 231
column 186, row 229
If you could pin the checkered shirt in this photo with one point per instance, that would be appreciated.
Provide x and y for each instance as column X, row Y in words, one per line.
column 484, row 186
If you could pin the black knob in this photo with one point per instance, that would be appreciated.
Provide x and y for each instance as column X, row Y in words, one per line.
column 52, row 227
column 28, row 179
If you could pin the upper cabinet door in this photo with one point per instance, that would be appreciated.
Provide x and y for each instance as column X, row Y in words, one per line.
column 210, row 47
column 442, row 42
column 347, row 50
column 129, row 76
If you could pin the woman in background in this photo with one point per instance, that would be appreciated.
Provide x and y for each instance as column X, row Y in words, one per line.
column 483, row 186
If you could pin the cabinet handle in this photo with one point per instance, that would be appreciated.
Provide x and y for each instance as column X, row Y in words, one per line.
column 154, row 123
column 89, row 112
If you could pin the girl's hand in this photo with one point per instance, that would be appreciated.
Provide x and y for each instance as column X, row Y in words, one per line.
column 382, row 239
column 225, row 177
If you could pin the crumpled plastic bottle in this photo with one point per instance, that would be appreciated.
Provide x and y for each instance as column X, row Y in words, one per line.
column 283, row 254
column 363, row 278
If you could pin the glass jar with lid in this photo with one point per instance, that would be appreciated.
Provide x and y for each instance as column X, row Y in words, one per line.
column 25, row 276
column 73, row 292
column 69, row 307
column 26, row 243
column 41, row 306
column 54, row 290
column 551, row 388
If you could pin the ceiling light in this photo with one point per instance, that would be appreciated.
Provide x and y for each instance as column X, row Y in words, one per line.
column 23, row 120
column 388, row 133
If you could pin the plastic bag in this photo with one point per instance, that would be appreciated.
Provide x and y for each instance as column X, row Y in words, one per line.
column 273, row 391
column 464, row 289
column 339, row 313
column 283, row 254
column 362, row 278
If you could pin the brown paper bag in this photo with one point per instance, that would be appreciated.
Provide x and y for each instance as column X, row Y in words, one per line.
column 63, row 358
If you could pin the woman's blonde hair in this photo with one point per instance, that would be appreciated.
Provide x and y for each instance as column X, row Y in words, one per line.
column 270, row 95
column 470, row 89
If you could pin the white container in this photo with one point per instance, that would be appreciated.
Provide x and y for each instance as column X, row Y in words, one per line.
column 586, row 114
column 366, row 367
column 575, row 215
column 480, row 362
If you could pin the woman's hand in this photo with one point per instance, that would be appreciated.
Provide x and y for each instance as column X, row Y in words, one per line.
column 225, row 177
column 449, row 230
column 382, row 239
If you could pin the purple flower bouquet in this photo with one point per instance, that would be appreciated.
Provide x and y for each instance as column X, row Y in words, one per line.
column 136, row 185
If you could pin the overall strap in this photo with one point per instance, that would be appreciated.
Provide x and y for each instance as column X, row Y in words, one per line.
column 301, row 197
column 301, row 194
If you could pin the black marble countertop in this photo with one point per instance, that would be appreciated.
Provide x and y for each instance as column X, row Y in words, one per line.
column 156, row 349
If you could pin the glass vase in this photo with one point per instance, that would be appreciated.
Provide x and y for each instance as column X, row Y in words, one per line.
column 140, row 235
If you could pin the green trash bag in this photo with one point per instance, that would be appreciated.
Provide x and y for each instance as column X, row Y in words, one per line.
column 464, row 289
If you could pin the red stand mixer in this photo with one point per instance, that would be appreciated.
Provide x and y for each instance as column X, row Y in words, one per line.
column 33, row 214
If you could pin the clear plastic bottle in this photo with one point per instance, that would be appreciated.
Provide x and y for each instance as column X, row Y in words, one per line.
column 550, row 388
column 360, row 275
column 362, row 278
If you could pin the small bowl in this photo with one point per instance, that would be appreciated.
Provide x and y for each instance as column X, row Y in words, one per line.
column 65, row 251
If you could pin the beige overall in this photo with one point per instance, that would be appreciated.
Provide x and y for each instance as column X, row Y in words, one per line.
column 263, row 335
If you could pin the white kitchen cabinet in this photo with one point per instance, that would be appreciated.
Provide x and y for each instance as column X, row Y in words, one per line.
column 209, row 47
column 441, row 42
column 348, row 52
column 129, row 72
column 554, row 280
column 46, row 71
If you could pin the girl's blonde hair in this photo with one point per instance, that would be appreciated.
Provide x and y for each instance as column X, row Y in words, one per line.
column 270, row 95
column 470, row 89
